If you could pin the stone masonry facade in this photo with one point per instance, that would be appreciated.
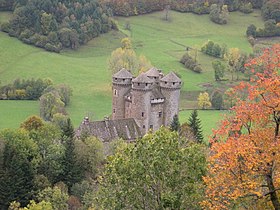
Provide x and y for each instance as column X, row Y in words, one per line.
column 151, row 99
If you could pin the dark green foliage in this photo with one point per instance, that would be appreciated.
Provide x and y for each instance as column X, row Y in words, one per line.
column 270, row 9
column 190, row 63
column 219, row 14
column 55, row 25
column 29, row 89
column 195, row 125
column 72, row 171
column 217, row 100
column 219, row 69
column 213, row 49
column 20, row 156
column 251, row 31
column 246, row 7
column 270, row 29
column 6, row 5
column 175, row 124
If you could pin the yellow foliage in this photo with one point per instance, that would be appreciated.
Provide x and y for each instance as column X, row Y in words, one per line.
column 204, row 101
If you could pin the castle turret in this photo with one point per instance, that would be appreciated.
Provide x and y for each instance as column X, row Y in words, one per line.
column 122, row 81
column 170, row 86
column 141, row 101
column 153, row 74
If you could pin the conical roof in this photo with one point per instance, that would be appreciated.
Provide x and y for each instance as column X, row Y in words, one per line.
column 142, row 78
column 171, row 77
column 152, row 72
column 123, row 74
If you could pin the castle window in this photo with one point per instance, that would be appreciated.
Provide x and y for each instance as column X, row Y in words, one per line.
column 146, row 84
column 151, row 127
column 115, row 92
column 123, row 80
column 165, row 82
column 159, row 114
column 138, row 84
column 173, row 83
column 114, row 110
column 115, row 79
column 144, row 126
column 143, row 114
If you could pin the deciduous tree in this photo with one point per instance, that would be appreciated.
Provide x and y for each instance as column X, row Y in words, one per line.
column 203, row 101
column 244, row 159
column 159, row 172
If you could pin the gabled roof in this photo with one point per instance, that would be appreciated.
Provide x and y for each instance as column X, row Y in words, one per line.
column 108, row 130
column 171, row 77
column 123, row 74
column 152, row 72
column 142, row 78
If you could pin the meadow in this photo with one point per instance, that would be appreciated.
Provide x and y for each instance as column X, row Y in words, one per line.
column 86, row 71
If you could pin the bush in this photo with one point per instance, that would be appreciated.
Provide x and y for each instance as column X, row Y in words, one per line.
column 5, row 27
column 190, row 63
column 246, row 8
column 217, row 100
column 219, row 14
column 213, row 49
column 251, row 31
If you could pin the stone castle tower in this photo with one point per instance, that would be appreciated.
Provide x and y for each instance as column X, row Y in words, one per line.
column 152, row 99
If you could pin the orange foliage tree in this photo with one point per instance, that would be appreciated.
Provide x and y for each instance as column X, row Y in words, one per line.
column 245, row 150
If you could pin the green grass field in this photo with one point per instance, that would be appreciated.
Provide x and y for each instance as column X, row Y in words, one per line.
column 85, row 69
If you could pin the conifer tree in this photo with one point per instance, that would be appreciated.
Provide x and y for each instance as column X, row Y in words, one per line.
column 195, row 124
column 72, row 171
column 175, row 124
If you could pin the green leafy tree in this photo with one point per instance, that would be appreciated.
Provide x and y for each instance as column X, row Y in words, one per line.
column 219, row 69
column 159, row 172
column 55, row 196
column 90, row 155
column 217, row 100
column 195, row 125
column 50, row 104
column 251, row 31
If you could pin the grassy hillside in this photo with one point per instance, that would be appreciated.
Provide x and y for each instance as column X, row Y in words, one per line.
column 85, row 70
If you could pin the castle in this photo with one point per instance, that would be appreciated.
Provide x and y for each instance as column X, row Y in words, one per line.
column 149, row 101
column 151, row 98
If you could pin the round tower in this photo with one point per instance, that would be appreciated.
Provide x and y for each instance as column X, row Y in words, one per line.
column 141, row 101
column 170, row 86
column 122, row 81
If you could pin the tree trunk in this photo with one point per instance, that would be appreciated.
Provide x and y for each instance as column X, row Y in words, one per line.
column 273, row 195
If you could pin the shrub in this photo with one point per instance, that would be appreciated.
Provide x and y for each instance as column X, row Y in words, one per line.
column 190, row 63
column 246, row 8
column 217, row 100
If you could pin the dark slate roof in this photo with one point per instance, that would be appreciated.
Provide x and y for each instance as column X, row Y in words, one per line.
column 108, row 130
column 171, row 77
column 153, row 72
column 142, row 78
column 156, row 93
column 123, row 74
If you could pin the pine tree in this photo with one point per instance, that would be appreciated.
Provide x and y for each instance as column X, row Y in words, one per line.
column 195, row 124
column 72, row 171
column 175, row 124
